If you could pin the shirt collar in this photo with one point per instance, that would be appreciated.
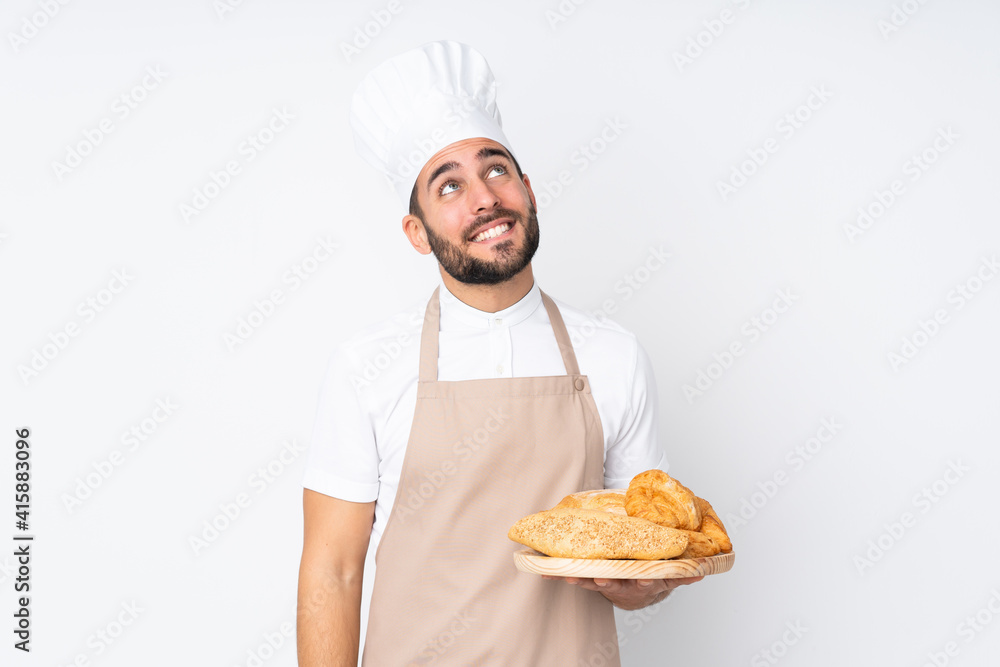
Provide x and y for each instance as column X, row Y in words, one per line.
column 452, row 308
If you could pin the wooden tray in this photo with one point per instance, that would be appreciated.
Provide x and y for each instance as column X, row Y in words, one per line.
column 529, row 560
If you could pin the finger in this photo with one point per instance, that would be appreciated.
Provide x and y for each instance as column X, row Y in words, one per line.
column 590, row 585
column 611, row 586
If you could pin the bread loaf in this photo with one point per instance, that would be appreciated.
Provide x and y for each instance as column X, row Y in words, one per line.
column 609, row 500
column 585, row 533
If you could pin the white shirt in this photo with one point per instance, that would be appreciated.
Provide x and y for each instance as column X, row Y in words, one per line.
column 368, row 398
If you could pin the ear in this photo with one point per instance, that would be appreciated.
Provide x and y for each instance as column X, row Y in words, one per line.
column 531, row 193
column 413, row 227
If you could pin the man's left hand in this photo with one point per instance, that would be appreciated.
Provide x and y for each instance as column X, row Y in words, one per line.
column 629, row 594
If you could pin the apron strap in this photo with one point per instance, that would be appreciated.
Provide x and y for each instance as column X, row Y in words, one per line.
column 429, row 339
column 432, row 326
column 562, row 336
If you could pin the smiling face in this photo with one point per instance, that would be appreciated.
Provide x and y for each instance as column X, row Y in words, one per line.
column 474, row 213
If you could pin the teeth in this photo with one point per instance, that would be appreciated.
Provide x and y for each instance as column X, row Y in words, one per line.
column 491, row 233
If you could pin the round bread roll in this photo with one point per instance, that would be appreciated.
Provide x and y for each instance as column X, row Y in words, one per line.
column 656, row 496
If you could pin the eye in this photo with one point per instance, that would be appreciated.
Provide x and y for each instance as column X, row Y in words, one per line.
column 444, row 189
column 499, row 169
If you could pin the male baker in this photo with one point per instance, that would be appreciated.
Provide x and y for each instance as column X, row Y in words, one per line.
column 436, row 433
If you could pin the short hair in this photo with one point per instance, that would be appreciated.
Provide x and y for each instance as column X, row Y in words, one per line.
column 415, row 205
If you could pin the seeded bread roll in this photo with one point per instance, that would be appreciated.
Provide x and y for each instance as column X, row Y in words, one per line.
column 583, row 533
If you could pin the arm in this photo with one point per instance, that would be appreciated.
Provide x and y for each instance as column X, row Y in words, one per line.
column 333, row 560
column 636, row 445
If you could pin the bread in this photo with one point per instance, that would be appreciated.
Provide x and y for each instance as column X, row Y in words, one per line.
column 711, row 525
column 655, row 516
column 609, row 500
column 586, row 533
column 699, row 545
column 658, row 497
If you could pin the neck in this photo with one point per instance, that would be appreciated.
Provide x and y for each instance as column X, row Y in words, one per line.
column 491, row 298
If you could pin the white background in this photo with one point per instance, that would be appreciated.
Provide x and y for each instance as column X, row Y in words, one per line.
column 687, row 125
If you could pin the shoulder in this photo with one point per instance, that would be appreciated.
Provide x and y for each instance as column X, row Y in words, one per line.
column 596, row 331
column 375, row 347
column 398, row 326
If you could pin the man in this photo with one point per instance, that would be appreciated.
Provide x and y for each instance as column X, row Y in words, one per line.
column 480, row 412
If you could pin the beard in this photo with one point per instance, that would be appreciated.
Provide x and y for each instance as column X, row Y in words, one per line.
column 510, row 260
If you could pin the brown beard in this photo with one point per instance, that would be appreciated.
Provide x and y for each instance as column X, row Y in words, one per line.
column 474, row 271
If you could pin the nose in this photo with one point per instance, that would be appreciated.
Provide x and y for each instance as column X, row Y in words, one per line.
column 481, row 196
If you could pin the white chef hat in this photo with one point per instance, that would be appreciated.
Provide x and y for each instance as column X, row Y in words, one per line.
column 413, row 105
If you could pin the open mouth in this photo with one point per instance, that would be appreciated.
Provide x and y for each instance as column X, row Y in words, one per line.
column 493, row 232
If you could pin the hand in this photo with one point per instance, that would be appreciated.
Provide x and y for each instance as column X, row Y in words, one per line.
column 630, row 594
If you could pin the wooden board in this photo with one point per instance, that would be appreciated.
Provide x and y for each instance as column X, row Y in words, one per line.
column 529, row 560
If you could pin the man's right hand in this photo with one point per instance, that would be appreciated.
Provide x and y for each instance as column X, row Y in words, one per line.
column 335, row 542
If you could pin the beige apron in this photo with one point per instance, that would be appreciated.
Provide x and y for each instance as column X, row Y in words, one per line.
column 481, row 455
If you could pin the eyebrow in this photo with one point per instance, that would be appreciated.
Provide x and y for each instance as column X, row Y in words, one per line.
column 490, row 151
column 446, row 167
column 484, row 152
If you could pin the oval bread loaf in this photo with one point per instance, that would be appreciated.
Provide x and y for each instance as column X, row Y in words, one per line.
column 609, row 500
column 583, row 533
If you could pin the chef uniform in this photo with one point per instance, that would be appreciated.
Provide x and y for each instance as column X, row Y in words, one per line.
column 485, row 445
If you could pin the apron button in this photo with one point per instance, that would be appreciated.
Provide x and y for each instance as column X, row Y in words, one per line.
column 579, row 384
